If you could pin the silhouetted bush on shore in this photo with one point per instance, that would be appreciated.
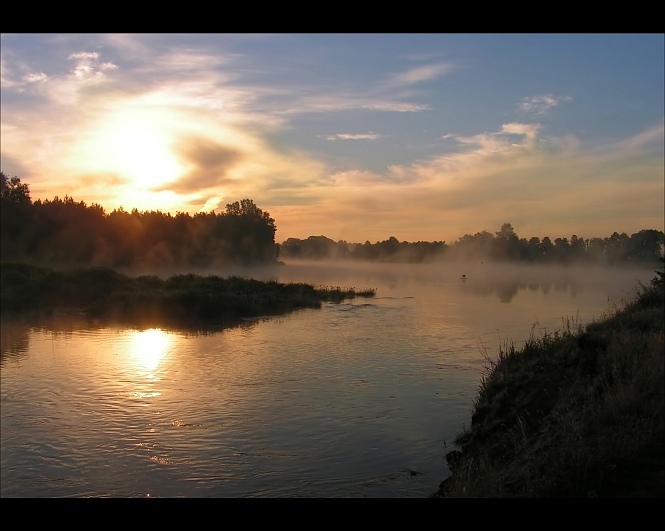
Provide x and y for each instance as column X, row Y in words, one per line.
column 181, row 300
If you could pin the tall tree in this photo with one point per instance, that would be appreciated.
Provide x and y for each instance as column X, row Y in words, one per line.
column 14, row 190
column 646, row 245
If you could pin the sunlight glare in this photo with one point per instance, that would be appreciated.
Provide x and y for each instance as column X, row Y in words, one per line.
column 149, row 347
column 137, row 145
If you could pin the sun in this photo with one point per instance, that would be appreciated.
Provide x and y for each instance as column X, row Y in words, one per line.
column 132, row 153
column 137, row 145
column 134, row 142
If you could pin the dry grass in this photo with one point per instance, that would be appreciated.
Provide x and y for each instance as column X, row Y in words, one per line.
column 575, row 413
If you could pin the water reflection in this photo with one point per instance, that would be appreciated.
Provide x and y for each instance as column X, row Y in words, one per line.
column 14, row 340
column 354, row 399
column 506, row 289
column 505, row 284
column 501, row 280
column 149, row 347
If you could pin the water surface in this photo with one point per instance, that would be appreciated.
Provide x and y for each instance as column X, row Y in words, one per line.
column 358, row 399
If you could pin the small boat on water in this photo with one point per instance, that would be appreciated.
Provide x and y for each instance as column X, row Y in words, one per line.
column 463, row 277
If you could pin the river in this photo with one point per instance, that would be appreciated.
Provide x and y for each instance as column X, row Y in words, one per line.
column 357, row 399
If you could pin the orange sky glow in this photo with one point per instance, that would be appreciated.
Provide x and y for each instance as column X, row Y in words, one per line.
column 138, row 122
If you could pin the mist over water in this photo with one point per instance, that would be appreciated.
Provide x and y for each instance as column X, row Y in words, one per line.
column 357, row 399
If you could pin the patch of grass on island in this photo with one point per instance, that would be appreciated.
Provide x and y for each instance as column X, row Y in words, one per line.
column 576, row 413
column 185, row 300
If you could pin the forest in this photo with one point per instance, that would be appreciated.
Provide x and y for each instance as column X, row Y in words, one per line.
column 645, row 246
column 65, row 233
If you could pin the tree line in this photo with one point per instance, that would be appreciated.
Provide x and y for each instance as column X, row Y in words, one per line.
column 645, row 246
column 64, row 232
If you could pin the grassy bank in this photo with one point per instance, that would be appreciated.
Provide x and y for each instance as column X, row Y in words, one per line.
column 189, row 301
column 575, row 413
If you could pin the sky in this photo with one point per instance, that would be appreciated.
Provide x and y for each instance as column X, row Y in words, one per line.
column 356, row 137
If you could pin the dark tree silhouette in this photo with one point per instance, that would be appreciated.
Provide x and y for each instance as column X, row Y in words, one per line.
column 63, row 232
column 13, row 190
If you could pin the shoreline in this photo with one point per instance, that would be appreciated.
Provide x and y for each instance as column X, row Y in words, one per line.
column 574, row 413
column 181, row 301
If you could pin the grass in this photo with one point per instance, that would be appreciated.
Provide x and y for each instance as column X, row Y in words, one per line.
column 574, row 413
column 189, row 301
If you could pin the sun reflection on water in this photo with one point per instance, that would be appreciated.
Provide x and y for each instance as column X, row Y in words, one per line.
column 149, row 348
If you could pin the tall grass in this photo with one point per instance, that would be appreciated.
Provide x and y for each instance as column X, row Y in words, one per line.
column 574, row 413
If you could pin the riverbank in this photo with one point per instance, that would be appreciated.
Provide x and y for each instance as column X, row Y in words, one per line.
column 181, row 301
column 575, row 413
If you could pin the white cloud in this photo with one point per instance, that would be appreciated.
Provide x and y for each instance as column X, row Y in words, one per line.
column 541, row 105
column 349, row 136
column 9, row 80
column 185, row 94
column 84, row 56
column 512, row 136
column 395, row 106
column 183, row 60
column 5, row 78
column 529, row 131
column 653, row 135
column 35, row 77
column 86, row 68
column 336, row 103
column 420, row 74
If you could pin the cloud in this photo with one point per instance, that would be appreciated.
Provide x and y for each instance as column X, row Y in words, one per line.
column 541, row 105
column 198, row 77
column 394, row 106
column 528, row 131
column 184, row 60
column 199, row 108
column 497, row 180
column 17, row 82
column 127, row 45
column 5, row 77
column 213, row 130
column 8, row 82
column 357, row 178
column 540, row 191
column 340, row 102
column 651, row 137
column 68, row 87
column 510, row 175
column 88, row 69
column 484, row 143
column 35, row 77
column 349, row 136
column 288, row 100
column 420, row 74
column 211, row 162
column 511, row 139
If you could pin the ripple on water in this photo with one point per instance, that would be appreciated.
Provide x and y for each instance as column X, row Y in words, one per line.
column 337, row 401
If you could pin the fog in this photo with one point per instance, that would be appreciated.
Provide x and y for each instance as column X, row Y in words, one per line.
column 482, row 278
column 457, row 282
